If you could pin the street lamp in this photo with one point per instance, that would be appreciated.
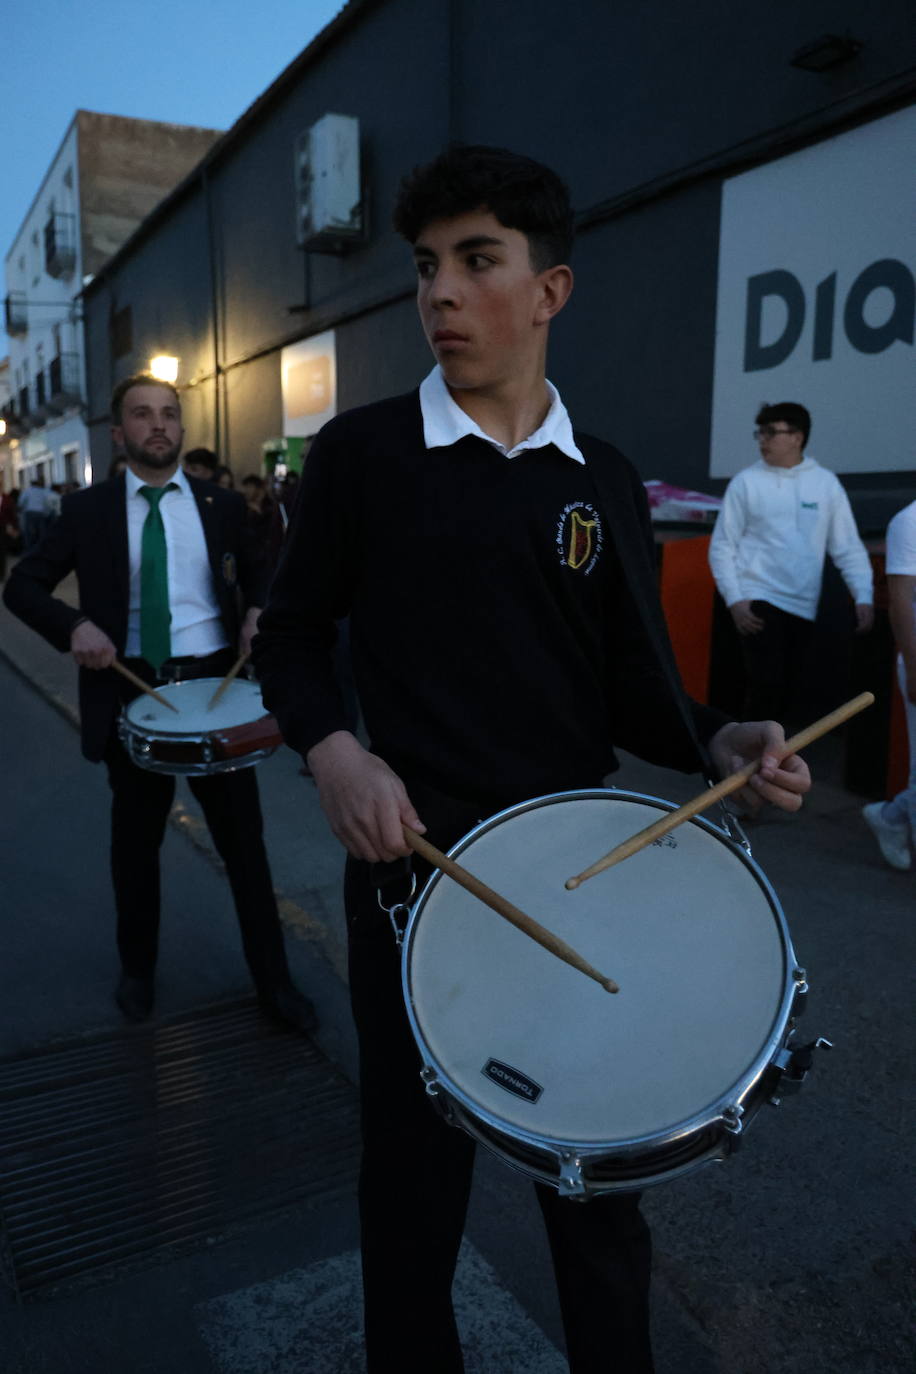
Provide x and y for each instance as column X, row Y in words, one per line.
column 164, row 368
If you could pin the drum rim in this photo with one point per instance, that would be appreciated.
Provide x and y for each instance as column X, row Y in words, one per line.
column 714, row 1113
column 159, row 732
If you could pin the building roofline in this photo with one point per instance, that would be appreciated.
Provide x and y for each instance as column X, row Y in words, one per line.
column 44, row 180
column 239, row 130
column 128, row 119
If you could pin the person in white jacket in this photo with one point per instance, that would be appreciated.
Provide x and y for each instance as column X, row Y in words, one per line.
column 778, row 519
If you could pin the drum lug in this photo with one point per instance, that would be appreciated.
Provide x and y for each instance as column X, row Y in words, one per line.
column 800, row 979
column 736, row 832
column 570, row 1183
column 430, row 1080
column 732, row 1120
column 793, row 1065
column 438, row 1097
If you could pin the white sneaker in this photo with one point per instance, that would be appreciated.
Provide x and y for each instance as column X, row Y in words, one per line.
column 893, row 840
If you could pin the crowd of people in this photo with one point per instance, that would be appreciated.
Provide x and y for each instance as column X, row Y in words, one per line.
column 486, row 519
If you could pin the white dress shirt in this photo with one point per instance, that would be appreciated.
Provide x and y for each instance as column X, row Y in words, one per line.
column 197, row 627
column 444, row 422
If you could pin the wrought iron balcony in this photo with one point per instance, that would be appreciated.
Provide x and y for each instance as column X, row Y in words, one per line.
column 60, row 245
column 64, row 382
column 17, row 315
column 22, row 403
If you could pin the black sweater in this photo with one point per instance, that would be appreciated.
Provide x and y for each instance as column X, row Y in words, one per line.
column 498, row 647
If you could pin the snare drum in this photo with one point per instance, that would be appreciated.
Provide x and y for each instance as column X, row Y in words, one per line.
column 581, row 1089
column 235, row 734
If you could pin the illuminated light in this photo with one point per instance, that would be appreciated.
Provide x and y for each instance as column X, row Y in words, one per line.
column 2, row 428
column 87, row 473
column 164, row 368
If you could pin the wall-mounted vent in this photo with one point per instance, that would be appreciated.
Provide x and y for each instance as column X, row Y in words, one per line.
column 329, row 207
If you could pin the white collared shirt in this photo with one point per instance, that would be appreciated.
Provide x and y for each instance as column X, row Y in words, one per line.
column 444, row 422
column 197, row 626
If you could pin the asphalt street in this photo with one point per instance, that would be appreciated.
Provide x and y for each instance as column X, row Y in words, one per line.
column 796, row 1255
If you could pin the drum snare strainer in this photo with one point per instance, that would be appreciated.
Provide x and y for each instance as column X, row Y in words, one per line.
column 235, row 733
column 590, row 1092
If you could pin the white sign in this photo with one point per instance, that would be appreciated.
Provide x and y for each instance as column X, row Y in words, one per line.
column 816, row 300
column 308, row 372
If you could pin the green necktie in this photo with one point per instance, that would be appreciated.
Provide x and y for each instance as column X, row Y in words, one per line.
column 155, row 616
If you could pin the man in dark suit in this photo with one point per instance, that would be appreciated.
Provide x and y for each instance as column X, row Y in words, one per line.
column 165, row 564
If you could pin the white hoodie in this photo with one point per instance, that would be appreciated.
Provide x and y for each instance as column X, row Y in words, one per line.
column 772, row 532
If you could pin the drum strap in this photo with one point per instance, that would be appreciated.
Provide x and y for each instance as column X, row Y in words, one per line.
column 628, row 520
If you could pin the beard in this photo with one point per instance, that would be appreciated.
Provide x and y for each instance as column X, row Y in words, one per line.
column 157, row 458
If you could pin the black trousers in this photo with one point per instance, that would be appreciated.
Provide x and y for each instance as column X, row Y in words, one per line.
column 416, row 1178
column 140, row 805
column 776, row 661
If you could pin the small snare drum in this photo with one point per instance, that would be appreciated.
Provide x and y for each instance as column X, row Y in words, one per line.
column 235, row 734
column 587, row 1091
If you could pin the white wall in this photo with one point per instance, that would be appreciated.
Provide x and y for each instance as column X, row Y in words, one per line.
column 817, row 280
column 53, row 319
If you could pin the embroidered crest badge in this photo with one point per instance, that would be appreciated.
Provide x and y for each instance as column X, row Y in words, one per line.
column 229, row 573
column 579, row 537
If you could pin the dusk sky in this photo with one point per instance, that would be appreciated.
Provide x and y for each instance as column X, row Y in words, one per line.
column 186, row 63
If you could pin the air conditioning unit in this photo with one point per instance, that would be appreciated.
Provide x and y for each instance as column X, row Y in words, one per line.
column 329, row 203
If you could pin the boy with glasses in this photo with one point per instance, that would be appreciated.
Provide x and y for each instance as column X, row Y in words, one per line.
column 779, row 518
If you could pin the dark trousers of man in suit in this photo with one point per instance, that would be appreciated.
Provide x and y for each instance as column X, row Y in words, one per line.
column 140, row 805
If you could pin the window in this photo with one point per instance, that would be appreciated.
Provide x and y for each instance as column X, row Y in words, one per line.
column 121, row 332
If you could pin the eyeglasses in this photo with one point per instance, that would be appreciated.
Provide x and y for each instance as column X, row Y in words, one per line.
column 770, row 431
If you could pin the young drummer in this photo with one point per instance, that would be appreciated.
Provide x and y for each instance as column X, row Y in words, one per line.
column 498, row 572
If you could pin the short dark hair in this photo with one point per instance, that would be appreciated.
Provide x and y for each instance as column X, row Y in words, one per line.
column 521, row 193
column 204, row 456
column 791, row 413
column 127, row 384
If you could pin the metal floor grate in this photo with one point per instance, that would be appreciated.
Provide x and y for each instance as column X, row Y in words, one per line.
column 117, row 1148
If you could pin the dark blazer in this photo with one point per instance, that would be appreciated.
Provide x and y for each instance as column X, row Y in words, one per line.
column 90, row 539
column 356, row 467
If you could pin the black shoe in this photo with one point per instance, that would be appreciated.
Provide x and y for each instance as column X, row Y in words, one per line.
column 135, row 997
column 287, row 1005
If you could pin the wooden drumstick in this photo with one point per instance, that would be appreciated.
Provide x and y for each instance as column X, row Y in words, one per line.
column 138, row 682
column 232, row 673
column 732, row 783
column 552, row 943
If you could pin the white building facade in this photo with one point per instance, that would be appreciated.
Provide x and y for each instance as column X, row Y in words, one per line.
column 107, row 175
column 45, row 418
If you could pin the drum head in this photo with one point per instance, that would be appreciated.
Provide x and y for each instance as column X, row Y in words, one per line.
column 688, row 928
column 239, row 705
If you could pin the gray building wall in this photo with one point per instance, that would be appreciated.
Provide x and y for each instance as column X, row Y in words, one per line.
column 643, row 108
